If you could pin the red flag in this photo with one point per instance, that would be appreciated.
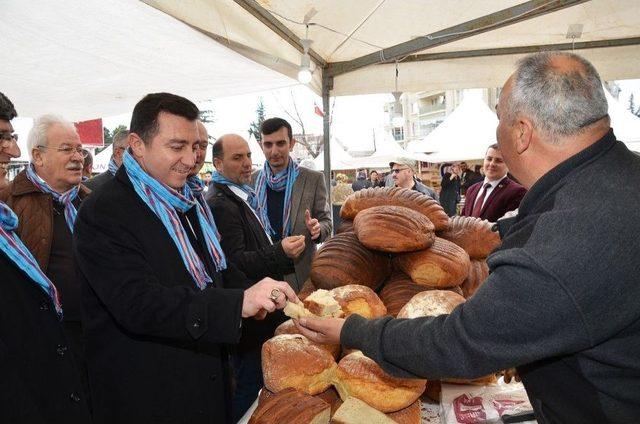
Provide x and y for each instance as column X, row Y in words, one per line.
column 318, row 111
column 90, row 132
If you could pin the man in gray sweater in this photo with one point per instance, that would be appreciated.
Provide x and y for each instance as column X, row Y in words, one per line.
column 561, row 302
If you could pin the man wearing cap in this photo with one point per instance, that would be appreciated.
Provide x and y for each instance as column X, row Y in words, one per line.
column 40, row 380
column 497, row 194
column 161, row 302
column 403, row 173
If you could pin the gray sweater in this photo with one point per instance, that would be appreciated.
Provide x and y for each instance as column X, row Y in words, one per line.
column 562, row 301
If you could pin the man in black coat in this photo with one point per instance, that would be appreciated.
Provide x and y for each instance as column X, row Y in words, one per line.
column 157, row 310
column 246, row 244
column 40, row 382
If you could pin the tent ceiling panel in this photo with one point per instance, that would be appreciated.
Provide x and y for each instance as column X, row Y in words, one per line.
column 107, row 55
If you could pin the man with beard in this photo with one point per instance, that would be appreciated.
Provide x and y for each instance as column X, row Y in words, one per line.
column 46, row 197
column 161, row 302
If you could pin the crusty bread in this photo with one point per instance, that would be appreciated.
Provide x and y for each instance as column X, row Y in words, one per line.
column 291, row 360
column 330, row 396
column 296, row 310
column 346, row 226
column 474, row 235
column 480, row 381
column 361, row 300
column 288, row 327
column 306, row 289
column 355, row 411
column 431, row 303
column 361, row 377
column 478, row 273
column 291, row 406
column 433, row 390
column 395, row 196
column 393, row 229
column 442, row 265
column 344, row 260
column 322, row 304
column 412, row 414
column 399, row 289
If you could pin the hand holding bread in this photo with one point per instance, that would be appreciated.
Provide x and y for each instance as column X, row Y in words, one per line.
column 320, row 330
column 266, row 295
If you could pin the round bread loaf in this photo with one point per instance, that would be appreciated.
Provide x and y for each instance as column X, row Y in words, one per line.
column 431, row 303
column 395, row 196
column 288, row 327
column 412, row 414
column 399, row 289
column 362, row 378
column 478, row 273
column 346, row 226
column 442, row 265
column 393, row 229
column 474, row 235
column 344, row 260
column 361, row 300
column 291, row 360
column 291, row 406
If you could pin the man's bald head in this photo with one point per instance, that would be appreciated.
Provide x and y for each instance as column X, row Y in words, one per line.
column 232, row 158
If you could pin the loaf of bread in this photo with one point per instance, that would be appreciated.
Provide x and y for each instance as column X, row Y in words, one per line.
column 346, row 226
column 361, row 300
column 395, row 196
column 393, row 229
column 442, row 265
column 474, row 235
column 344, row 260
column 330, row 396
column 291, row 406
column 322, row 303
column 288, row 327
column 431, row 303
column 361, row 377
column 399, row 289
column 478, row 272
column 412, row 414
column 291, row 360
column 355, row 411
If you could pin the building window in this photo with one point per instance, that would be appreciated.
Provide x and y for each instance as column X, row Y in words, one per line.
column 398, row 133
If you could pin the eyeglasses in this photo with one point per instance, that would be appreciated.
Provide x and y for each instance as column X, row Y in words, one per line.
column 397, row 170
column 69, row 151
column 6, row 138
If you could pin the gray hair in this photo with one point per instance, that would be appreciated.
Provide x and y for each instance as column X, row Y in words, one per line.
column 560, row 103
column 38, row 133
column 120, row 139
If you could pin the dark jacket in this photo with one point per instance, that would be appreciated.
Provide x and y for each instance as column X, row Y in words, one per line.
column 561, row 302
column 450, row 193
column 35, row 213
column 361, row 183
column 505, row 197
column 98, row 180
column 154, row 341
column 40, row 382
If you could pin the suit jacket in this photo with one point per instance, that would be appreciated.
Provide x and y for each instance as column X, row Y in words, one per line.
column 154, row 341
column 502, row 199
column 98, row 180
column 40, row 380
column 309, row 192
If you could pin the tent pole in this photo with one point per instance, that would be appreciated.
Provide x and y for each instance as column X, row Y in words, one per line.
column 327, row 85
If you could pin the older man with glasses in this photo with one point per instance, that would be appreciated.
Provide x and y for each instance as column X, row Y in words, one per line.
column 45, row 198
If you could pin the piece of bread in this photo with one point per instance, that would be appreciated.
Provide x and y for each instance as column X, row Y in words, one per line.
column 332, row 397
column 433, row 390
column 393, row 229
column 344, row 260
column 361, row 300
column 296, row 310
column 361, row 377
column 322, row 304
column 288, row 327
column 444, row 264
column 346, row 226
column 355, row 411
column 291, row 406
column 474, row 235
column 478, row 273
column 412, row 414
column 431, row 303
column 395, row 196
column 291, row 360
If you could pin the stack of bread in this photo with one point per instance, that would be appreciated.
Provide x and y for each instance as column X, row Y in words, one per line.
column 401, row 244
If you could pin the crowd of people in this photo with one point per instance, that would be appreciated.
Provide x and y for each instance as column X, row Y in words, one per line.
column 144, row 294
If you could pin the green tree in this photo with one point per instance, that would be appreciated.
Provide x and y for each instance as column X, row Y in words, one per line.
column 254, row 127
column 108, row 136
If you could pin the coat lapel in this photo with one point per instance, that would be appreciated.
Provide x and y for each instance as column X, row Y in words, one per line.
column 500, row 187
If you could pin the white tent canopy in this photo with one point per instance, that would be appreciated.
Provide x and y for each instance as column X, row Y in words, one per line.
column 340, row 159
column 626, row 126
column 101, row 160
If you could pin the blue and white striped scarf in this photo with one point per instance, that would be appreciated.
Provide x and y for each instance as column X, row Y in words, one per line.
column 252, row 199
column 66, row 199
column 283, row 180
column 163, row 202
column 18, row 253
column 113, row 166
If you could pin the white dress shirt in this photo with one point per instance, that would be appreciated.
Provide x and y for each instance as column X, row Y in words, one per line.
column 493, row 183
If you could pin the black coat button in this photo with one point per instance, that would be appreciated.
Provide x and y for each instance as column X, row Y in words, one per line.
column 74, row 397
column 197, row 323
column 44, row 305
column 61, row 350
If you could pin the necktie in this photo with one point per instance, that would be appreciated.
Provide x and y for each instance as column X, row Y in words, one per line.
column 479, row 201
